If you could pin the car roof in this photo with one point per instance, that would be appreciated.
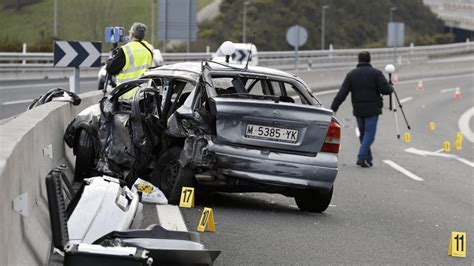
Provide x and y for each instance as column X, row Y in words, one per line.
column 193, row 69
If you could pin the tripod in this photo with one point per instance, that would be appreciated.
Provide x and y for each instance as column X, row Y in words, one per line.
column 392, row 103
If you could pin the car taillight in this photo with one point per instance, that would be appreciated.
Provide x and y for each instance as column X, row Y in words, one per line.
column 333, row 138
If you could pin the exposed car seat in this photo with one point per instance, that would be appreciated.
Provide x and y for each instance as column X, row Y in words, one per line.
column 182, row 99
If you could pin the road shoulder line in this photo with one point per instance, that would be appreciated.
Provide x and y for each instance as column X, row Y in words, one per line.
column 463, row 124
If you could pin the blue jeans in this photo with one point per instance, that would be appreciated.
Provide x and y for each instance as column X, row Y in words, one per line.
column 367, row 128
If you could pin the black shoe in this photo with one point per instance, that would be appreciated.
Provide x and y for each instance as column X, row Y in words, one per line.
column 363, row 163
column 370, row 163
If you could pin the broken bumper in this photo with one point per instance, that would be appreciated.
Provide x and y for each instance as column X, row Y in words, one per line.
column 273, row 168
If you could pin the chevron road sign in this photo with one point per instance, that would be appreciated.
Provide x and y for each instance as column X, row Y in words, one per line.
column 239, row 55
column 77, row 54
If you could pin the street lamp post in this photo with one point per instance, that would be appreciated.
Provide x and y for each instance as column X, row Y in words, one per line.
column 244, row 22
column 55, row 15
column 392, row 9
column 152, row 22
column 323, row 25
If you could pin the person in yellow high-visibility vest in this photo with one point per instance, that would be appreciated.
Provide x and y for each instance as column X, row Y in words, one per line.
column 132, row 59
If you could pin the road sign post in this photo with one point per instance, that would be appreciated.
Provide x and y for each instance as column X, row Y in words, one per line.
column 177, row 20
column 76, row 55
column 396, row 36
column 296, row 36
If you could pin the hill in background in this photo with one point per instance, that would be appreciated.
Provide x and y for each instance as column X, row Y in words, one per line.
column 349, row 23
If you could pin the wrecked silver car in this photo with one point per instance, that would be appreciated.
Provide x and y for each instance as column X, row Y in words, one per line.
column 218, row 128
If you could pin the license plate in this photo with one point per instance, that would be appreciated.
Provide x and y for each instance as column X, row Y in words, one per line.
column 271, row 133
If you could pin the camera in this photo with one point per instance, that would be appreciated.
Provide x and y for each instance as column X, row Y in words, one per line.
column 115, row 35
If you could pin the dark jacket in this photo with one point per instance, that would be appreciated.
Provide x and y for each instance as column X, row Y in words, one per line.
column 116, row 63
column 365, row 84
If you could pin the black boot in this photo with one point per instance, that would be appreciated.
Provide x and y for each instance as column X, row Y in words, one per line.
column 363, row 163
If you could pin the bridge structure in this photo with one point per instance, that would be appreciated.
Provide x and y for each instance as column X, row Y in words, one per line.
column 454, row 13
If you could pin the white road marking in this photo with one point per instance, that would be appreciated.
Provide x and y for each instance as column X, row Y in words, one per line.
column 438, row 151
column 170, row 217
column 406, row 99
column 463, row 124
column 403, row 170
column 325, row 92
column 439, row 154
column 357, row 132
column 17, row 102
column 448, row 90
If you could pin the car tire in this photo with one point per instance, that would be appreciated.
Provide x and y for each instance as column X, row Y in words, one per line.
column 170, row 177
column 85, row 154
column 313, row 200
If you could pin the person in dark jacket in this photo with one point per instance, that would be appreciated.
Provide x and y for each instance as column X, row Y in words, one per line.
column 366, row 84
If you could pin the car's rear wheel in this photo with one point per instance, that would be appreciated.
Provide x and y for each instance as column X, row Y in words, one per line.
column 84, row 156
column 170, row 177
column 313, row 200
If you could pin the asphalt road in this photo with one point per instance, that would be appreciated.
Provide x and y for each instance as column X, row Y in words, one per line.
column 16, row 96
column 378, row 215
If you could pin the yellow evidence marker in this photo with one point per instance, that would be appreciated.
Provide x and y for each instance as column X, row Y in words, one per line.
column 207, row 220
column 457, row 244
column 447, row 146
column 432, row 126
column 458, row 145
column 187, row 197
column 459, row 136
column 406, row 137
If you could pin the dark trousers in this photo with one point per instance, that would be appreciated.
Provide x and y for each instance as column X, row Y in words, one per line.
column 367, row 128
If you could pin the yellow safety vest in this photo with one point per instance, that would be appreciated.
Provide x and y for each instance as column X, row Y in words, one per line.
column 137, row 60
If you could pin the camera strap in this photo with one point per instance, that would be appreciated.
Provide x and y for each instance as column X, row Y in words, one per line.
column 146, row 47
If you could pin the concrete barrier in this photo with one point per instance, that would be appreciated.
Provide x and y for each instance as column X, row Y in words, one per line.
column 320, row 79
column 30, row 146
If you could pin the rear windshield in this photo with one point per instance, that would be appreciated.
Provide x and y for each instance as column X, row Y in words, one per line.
column 282, row 90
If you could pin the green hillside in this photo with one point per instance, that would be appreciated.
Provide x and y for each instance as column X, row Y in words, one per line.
column 349, row 23
column 77, row 20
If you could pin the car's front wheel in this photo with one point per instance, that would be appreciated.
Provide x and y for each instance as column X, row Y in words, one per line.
column 85, row 154
column 313, row 200
column 170, row 177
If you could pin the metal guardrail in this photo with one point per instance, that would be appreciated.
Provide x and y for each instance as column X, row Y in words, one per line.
column 274, row 58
